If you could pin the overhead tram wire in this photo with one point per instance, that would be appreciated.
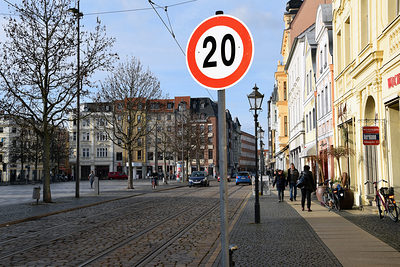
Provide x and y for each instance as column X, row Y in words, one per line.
column 170, row 29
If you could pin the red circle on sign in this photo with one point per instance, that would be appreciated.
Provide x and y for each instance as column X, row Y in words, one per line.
column 230, row 80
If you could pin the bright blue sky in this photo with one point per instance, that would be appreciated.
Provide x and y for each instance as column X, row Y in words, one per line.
column 142, row 34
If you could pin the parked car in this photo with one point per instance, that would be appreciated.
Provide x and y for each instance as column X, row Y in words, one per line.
column 243, row 177
column 229, row 178
column 117, row 175
column 199, row 178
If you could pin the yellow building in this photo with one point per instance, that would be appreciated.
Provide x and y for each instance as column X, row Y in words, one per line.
column 366, row 36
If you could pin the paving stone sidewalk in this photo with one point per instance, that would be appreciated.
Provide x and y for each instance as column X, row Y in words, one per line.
column 283, row 238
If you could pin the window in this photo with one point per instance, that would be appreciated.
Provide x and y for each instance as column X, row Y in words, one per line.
column 321, row 63
column 85, row 152
column 139, row 118
column 285, row 90
column 139, row 142
column 310, row 77
column 85, row 136
column 210, row 140
column 326, row 55
column 326, row 100
column 160, row 156
column 339, row 51
column 158, row 116
column 74, row 122
column 202, row 128
column 85, row 122
column 210, row 154
column 170, row 105
column 169, row 117
column 285, row 125
column 1, row 158
column 101, row 136
column 276, row 116
column 393, row 8
column 308, row 85
column 201, row 154
column 311, row 120
column 364, row 23
column 101, row 122
column 101, row 152
column 1, row 130
column 347, row 42
column 306, row 123
column 210, row 128
column 139, row 154
column 314, row 119
column 74, row 136
column 119, row 156
column 14, row 130
column 150, row 155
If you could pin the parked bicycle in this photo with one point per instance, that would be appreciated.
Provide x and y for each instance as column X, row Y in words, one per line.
column 332, row 196
column 385, row 197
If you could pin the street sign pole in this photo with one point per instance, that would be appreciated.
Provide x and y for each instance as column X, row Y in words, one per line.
column 219, row 53
column 223, row 189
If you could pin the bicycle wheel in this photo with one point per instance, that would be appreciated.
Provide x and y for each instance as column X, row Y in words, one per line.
column 392, row 210
column 325, row 200
column 378, row 204
column 337, row 202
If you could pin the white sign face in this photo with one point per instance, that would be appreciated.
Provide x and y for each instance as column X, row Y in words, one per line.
column 219, row 52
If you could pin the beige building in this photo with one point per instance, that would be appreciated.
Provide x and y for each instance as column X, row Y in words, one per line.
column 367, row 66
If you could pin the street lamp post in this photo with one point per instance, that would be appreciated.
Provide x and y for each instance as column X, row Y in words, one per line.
column 78, row 15
column 261, row 136
column 255, row 100
column 182, row 109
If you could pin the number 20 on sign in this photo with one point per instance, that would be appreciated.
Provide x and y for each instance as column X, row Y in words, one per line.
column 219, row 52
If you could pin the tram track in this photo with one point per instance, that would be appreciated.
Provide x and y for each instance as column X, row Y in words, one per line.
column 87, row 230
column 150, row 254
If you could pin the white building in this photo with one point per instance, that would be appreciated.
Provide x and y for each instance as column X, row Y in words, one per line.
column 97, row 152
column 295, row 68
column 324, row 84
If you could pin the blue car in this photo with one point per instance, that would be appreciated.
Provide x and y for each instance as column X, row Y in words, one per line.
column 243, row 178
column 198, row 178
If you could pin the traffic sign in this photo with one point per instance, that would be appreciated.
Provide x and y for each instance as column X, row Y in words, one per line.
column 371, row 135
column 219, row 52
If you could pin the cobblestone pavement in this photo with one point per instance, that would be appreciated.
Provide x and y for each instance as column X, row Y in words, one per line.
column 148, row 222
column 283, row 238
column 384, row 229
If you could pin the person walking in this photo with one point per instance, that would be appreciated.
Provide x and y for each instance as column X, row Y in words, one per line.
column 91, row 179
column 293, row 176
column 307, row 188
column 280, row 182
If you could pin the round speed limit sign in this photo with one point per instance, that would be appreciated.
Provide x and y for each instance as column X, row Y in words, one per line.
column 219, row 52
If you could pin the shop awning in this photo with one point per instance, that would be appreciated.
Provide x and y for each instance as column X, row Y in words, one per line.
column 309, row 151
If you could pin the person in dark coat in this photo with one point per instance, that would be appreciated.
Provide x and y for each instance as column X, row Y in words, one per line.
column 293, row 176
column 281, row 183
column 308, row 187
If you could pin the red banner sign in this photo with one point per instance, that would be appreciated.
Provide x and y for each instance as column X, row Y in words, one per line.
column 371, row 135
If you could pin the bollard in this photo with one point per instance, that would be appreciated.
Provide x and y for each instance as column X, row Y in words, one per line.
column 96, row 185
column 232, row 248
column 36, row 194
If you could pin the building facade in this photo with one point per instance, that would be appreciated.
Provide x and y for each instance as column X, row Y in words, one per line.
column 247, row 161
column 366, row 55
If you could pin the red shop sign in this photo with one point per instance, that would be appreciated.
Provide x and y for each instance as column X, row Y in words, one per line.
column 371, row 135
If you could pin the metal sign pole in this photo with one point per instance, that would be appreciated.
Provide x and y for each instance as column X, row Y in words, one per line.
column 223, row 189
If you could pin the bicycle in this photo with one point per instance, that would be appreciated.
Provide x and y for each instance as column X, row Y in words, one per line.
column 385, row 196
column 331, row 198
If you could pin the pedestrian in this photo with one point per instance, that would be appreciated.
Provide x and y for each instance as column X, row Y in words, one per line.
column 154, row 180
column 293, row 176
column 307, row 188
column 280, row 182
column 91, row 179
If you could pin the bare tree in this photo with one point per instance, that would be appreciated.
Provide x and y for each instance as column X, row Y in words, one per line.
column 128, row 90
column 38, row 71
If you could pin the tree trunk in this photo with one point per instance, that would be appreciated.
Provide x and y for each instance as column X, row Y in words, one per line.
column 46, row 164
column 130, row 178
column 165, row 169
